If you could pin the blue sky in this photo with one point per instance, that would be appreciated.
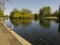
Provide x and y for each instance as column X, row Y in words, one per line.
column 33, row 5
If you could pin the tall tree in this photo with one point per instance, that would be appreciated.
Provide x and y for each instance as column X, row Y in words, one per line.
column 15, row 13
column 45, row 11
column 56, row 13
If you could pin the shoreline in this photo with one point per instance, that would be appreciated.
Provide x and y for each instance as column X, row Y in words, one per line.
column 18, row 37
column 50, row 17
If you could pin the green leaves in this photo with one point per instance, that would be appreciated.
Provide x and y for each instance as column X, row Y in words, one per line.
column 1, row 12
column 56, row 13
column 45, row 11
column 24, row 13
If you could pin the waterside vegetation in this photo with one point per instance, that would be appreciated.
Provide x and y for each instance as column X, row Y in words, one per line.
column 27, row 14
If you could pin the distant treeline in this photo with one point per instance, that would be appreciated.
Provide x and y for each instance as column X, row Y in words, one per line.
column 26, row 13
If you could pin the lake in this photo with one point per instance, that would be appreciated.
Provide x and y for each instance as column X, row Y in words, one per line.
column 37, row 32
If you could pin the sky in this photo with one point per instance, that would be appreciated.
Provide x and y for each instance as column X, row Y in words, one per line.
column 33, row 5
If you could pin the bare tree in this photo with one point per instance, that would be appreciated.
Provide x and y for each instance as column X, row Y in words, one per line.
column 2, row 3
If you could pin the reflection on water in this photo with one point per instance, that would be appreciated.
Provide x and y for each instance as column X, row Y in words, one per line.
column 38, row 32
column 45, row 23
column 23, row 22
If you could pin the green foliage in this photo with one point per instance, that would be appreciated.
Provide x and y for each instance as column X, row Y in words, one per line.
column 56, row 13
column 27, row 16
column 24, row 13
column 15, row 13
column 1, row 12
column 36, row 16
column 45, row 11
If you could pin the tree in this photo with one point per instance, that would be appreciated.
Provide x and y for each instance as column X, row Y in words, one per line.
column 15, row 13
column 2, row 6
column 36, row 16
column 56, row 13
column 45, row 11
column 1, row 12
column 2, row 3
column 26, row 11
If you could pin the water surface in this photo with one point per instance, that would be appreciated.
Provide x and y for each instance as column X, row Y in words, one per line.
column 42, row 31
